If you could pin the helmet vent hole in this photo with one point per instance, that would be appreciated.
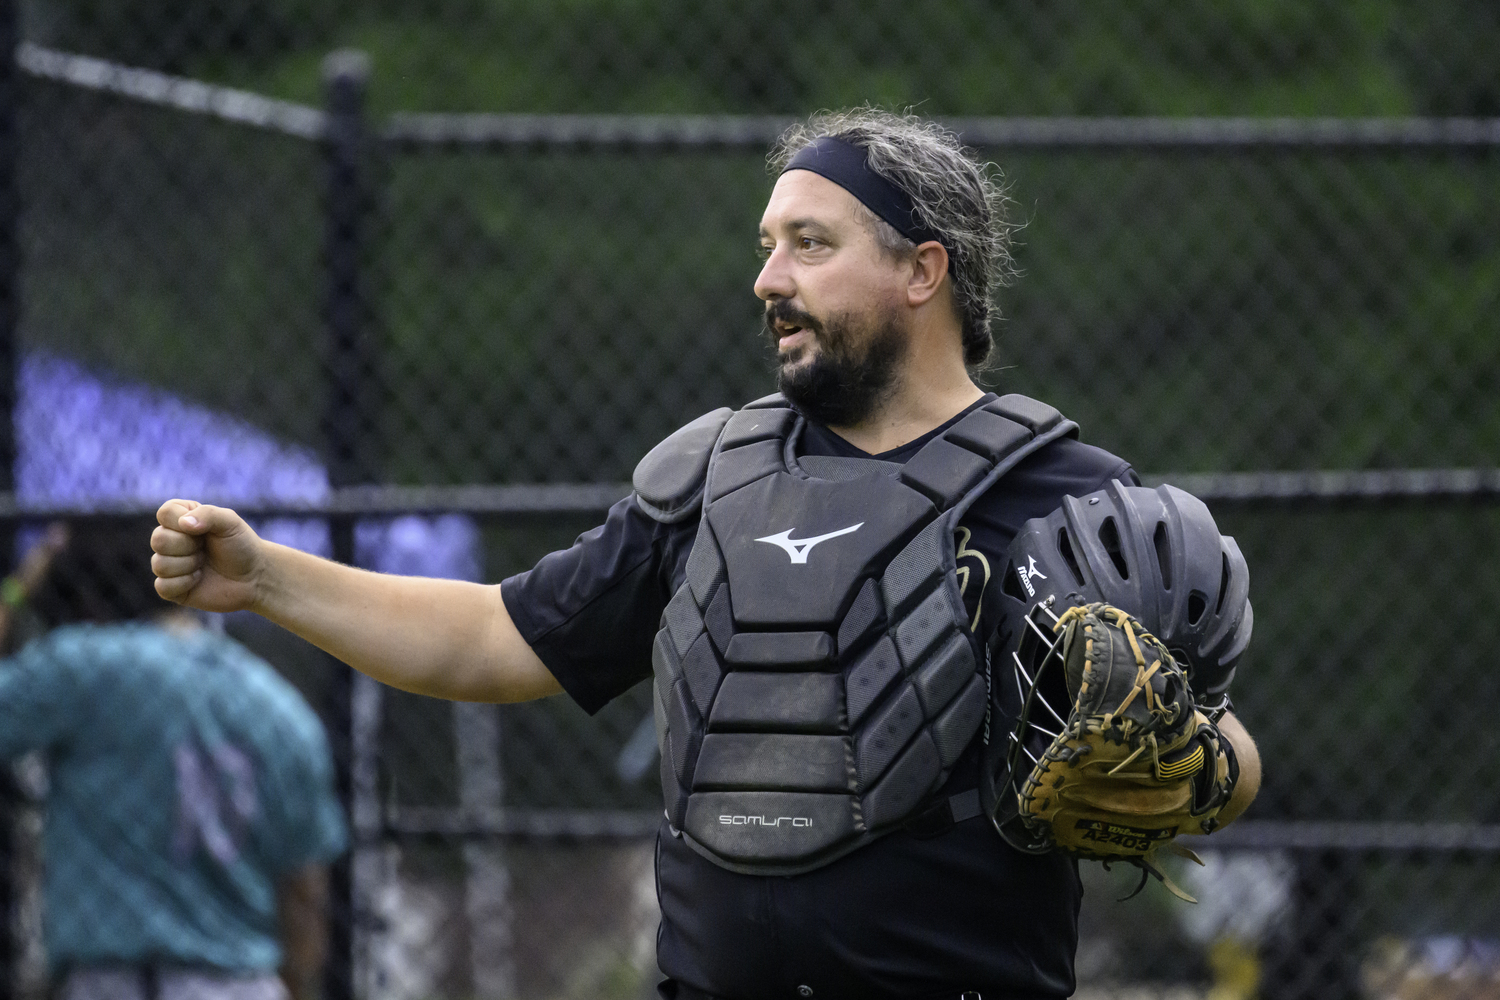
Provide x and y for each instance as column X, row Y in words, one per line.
column 1065, row 546
column 1223, row 583
column 1197, row 604
column 1109, row 537
column 1012, row 585
column 1163, row 554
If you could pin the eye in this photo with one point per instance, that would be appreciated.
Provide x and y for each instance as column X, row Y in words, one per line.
column 763, row 251
column 807, row 243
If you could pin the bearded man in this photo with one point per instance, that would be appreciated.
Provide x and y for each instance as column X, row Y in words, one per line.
column 807, row 582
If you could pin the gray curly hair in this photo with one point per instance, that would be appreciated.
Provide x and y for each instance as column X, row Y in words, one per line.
column 955, row 194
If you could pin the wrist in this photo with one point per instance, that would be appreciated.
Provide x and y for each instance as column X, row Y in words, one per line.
column 290, row 586
column 271, row 580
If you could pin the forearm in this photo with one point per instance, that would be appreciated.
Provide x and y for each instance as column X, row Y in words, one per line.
column 302, row 966
column 302, row 911
column 445, row 638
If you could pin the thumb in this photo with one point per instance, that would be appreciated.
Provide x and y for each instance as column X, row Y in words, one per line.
column 193, row 518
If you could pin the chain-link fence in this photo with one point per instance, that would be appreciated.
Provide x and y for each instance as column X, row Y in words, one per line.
column 1261, row 260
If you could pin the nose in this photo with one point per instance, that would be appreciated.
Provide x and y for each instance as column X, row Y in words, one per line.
column 775, row 279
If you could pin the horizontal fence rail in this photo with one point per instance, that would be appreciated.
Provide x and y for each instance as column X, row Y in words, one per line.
column 372, row 501
column 1245, row 835
column 406, row 129
column 1337, row 484
column 1264, row 834
column 480, row 500
column 627, row 131
column 730, row 131
column 183, row 94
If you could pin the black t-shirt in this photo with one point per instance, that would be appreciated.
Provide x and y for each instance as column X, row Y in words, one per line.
column 900, row 917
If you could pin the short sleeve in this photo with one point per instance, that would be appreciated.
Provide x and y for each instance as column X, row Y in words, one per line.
column 591, row 611
column 304, row 819
column 1034, row 488
column 39, row 698
column 314, row 829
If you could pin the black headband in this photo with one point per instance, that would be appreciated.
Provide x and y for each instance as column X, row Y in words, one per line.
column 844, row 163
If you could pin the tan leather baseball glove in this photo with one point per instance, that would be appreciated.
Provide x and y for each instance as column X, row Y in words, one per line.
column 1137, row 763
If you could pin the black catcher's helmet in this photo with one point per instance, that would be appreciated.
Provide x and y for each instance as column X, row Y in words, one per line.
column 1155, row 553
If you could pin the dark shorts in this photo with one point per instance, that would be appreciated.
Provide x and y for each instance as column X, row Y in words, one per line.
column 900, row 918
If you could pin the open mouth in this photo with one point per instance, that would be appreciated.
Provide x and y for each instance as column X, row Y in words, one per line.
column 790, row 332
column 789, row 335
column 793, row 330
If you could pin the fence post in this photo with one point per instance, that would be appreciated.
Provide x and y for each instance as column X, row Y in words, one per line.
column 10, row 275
column 345, row 432
column 1315, row 952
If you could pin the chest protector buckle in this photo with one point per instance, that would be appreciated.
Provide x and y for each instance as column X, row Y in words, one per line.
column 815, row 676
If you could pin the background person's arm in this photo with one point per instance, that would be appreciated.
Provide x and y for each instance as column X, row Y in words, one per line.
column 444, row 638
column 302, row 917
column 17, row 588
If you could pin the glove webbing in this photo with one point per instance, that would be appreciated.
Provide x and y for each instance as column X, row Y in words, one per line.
column 1143, row 675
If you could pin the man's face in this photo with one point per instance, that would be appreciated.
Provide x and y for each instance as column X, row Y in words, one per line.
column 833, row 301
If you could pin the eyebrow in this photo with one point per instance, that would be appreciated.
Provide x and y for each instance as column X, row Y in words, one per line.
column 802, row 225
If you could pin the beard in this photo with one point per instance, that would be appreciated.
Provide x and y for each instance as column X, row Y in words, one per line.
column 853, row 367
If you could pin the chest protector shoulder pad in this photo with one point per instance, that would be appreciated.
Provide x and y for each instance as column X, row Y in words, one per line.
column 815, row 677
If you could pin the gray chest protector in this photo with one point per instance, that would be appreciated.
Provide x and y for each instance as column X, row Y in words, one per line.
column 815, row 678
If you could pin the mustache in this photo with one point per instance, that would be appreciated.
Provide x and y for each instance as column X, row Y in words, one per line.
column 782, row 311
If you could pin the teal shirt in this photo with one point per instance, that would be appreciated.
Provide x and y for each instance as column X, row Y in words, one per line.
column 187, row 777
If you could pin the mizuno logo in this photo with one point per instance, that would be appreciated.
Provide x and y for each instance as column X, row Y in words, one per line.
column 1028, row 573
column 764, row 820
column 798, row 548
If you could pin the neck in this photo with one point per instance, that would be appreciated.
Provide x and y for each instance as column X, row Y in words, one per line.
column 932, row 388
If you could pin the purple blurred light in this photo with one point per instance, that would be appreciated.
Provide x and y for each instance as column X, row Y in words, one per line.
column 84, row 439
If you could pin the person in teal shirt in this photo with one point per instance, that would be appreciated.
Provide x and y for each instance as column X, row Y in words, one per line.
column 191, row 811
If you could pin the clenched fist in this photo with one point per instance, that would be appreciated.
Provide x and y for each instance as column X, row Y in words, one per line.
column 206, row 557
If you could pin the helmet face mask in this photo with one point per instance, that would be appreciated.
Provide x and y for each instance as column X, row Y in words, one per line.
column 1032, row 677
column 1155, row 553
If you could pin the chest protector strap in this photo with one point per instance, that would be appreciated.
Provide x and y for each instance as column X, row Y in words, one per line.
column 815, row 676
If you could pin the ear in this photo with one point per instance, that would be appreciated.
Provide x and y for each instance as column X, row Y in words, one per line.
column 929, row 266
